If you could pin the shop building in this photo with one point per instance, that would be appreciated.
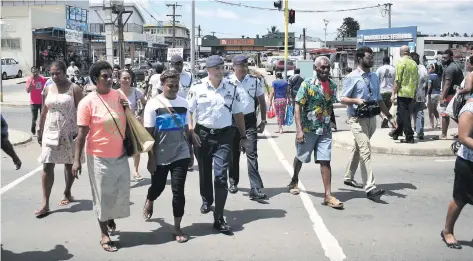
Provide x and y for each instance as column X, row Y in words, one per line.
column 136, row 44
column 265, row 43
column 36, row 33
column 166, row 31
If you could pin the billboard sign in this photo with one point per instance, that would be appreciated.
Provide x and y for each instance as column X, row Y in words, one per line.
column 77, row 19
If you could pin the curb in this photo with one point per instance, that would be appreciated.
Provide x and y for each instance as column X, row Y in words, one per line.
column 20, row 137
column 434, row 152
column 16, row 104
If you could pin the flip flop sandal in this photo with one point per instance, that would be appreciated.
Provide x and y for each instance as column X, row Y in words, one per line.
column 455, row 245
column 182, row 238
column 109, row 246
column 147, row 214
column 42, row 212
column 66, row 201
column 333, row 203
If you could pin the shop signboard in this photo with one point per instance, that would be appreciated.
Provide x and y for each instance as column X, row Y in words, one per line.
column 386, row 37
column 237, row 42
column 174, row 51
column 73, row 36
column 77, row 19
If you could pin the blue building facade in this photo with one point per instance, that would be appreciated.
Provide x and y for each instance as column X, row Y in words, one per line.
column 387, row 37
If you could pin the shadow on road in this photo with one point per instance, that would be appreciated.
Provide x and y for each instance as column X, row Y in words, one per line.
column 236, row 219
column 76, row 206
column 270, row 192
column 345, row 195
column 58, row 253
column 466, row 243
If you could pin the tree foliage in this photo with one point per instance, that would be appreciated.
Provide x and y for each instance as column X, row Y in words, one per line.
column 348, row 28
column 273, row 30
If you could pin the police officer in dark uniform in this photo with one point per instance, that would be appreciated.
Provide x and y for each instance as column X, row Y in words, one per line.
column 254, row 95
column 215, row 101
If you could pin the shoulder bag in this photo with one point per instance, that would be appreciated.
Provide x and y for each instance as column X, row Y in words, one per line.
column 181, row 128
column 127, row 143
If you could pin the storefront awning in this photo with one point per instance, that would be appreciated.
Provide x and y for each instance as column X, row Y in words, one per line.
column 60, row 33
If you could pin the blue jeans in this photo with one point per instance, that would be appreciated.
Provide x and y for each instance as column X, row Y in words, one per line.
column 418, row 115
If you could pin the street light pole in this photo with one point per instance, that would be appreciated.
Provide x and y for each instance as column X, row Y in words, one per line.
column 193, row 39
column 326, row 23
column 286, row 35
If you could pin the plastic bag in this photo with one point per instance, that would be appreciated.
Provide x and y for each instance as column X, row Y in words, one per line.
column 289, row 115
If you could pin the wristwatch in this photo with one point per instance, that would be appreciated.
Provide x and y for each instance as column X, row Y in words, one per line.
column 243, row 137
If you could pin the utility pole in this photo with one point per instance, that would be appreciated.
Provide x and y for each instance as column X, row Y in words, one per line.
column 193, row 39
column 326, row 23
column 389, row 14
column 286, row 35
column 303, row 43
column 109, row 26
column 174, row 21
column 213, row 33
column 198, row 37
column 119, row 10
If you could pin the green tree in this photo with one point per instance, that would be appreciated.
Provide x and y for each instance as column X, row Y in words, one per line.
column 273, row 30
column 465, row 35
column 348, row 28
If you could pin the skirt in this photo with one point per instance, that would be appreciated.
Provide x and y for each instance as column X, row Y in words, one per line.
column 463, row 184
column 110, row 184
column 280, row 109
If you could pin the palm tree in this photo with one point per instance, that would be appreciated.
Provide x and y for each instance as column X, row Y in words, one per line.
column 273, row 30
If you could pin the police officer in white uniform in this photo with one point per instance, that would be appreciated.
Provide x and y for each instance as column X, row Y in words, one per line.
column 215, row 101
column 254, row 95
column 185, row 83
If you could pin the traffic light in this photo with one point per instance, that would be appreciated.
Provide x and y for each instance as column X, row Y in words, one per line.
column 278, row 5
column 292, row 16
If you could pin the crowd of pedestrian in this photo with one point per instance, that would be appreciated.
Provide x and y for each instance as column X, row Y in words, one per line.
column 214, row 120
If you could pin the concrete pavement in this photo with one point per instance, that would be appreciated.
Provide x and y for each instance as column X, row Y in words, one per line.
column 405, row 225
column 14, row 93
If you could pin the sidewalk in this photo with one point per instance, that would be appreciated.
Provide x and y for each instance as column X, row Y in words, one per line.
column 382, row 143
column 16, row 99
column 17, row 137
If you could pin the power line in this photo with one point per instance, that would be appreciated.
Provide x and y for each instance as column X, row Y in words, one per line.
column 138, row 3
column 301, row 11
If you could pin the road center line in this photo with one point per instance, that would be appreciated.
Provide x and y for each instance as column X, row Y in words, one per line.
column 329, row 243
column 19, row 180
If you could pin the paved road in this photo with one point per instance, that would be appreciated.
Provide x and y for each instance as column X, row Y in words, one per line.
column 404, row 226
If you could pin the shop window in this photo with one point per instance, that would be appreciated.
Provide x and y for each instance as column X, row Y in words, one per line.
column 11, row 43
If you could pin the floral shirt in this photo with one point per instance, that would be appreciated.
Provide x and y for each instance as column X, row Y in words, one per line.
column 407, row 75
column 317, row 103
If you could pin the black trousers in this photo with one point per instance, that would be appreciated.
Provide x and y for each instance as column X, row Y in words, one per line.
column 214, row 149
column 35, row 108
column 251, row 154
column 178, row 171
column 404, row 107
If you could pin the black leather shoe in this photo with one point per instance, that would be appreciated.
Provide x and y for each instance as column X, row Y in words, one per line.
column 204, row 209
column 233, row 189
column 352, row 183
column 222, row 226
column 256, row 194
column 375, row 193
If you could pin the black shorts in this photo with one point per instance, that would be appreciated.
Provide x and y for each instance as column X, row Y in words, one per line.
column 463, row 184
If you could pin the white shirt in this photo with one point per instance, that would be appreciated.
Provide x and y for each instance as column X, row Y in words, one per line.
column 252, row 90
column 71, row 71
column 185, row 83
column 386, row 75
column 213, row 107
column 155, row 84
column 423, row 81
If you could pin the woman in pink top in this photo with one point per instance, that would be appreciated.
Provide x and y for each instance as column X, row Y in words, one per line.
column 102, row 123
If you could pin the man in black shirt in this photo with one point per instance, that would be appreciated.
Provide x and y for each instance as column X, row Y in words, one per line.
column 295, row 82
column 452, row 78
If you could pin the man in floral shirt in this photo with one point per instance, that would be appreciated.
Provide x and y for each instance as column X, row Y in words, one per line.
column 314, row 105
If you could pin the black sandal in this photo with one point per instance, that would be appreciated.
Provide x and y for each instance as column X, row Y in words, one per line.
column 111, row 226
column 455, row 245
column 109, row 246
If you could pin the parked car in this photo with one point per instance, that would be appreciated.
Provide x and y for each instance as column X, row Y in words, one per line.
column 11, row 68
column 270, row 63
column 279, row 65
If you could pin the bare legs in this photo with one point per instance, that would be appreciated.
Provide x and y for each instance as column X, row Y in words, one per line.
column 454, row 209
column 136, row 165
column 47, row 180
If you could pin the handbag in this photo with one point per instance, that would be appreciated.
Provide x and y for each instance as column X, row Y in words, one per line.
column 181, row 128
column 271, row 113
column 127, row 143
column 289, row 115
column 51, row 138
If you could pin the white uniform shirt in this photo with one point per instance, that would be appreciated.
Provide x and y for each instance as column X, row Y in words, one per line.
column 185, row 83
column 155, row 83
column 252, row 88
column 211, row 106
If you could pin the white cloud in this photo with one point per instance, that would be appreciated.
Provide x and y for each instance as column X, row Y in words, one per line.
column 218, row 13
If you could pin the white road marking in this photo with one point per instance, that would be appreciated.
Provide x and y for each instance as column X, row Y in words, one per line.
column 19, row 180
column 329, row 243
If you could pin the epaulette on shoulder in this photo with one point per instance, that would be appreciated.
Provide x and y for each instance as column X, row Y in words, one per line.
column 196, row 81
column 231, row 83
